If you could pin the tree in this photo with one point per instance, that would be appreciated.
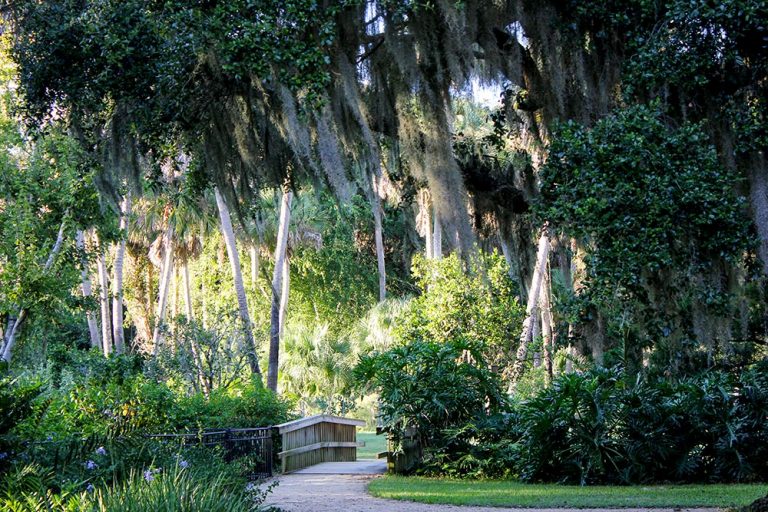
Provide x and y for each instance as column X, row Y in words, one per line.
column 117, row 281
column 278, row 278
column 237, row 275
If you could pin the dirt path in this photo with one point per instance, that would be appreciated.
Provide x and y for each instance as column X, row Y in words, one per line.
column 348, row 493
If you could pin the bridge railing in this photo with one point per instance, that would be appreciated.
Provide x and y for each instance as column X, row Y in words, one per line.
column 316, row 439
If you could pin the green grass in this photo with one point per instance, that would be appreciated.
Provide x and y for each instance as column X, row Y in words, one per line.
column 373, row 445
column 513, row 494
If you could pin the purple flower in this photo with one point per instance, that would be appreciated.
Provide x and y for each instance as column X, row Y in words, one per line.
column 89, row 488
column 3, row 455
column 101, row 451
column 90, row 465
column 183, row 464
column 148, row 476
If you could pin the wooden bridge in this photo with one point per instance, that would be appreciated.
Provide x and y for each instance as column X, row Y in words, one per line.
column 319, row 439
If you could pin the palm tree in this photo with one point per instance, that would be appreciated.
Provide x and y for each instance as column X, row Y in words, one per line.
column 237, row 275
column 93, row 324
column 277, row 286
column 117, row 281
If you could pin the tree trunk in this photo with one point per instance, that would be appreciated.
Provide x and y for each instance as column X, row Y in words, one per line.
column 284, row 292
column 429, row 240
column 758, row 195
column 379, row 237
column 190, row 312
column 106, row 317
column 533, row 298
column 237, row 276
column 437, row 243
column 13, row 331
column 93, row 324
column 254, row 253
column 117, row 282
column 187, row 291
column 164, row 286
column 546, row 327
column 277, row 281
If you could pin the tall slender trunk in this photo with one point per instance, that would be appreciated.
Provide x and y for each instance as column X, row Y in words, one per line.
column 93, row 324
column 284, row 291
column 106, row 317
column 187, row 290
column 190, row 312
column 437, row 243
column 379, row 238
column 117, row 281
column 572, row 276
column 13, row 331
column 429, row 241
column 533, row 299
column 254, row 254
column 237, row 275
column 758, row 198
column 546, row 326
column 164, row 285
column 277, row 279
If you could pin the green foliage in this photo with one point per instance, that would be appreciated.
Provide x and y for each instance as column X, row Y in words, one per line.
column 456, row 304
column 641, row 193
column 597, row 427
column 427, row 388
column 175, row 489
column 657, row 216
column 16, row 405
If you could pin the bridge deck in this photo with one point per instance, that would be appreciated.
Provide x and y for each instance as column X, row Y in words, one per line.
column 359, row 467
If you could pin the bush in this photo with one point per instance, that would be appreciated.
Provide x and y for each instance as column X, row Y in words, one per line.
column 599, row 427
column 596, row 427
column 428, row 389
column 176, row 489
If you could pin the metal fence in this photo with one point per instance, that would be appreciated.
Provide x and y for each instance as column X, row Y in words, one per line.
column 253, row 445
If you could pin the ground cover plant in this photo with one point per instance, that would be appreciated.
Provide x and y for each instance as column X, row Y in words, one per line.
column 494, row 493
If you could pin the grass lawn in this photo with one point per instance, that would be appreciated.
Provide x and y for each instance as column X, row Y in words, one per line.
column 514, row 494
column 373, row 445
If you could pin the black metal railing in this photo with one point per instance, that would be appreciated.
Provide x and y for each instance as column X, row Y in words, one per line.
column 253, row 445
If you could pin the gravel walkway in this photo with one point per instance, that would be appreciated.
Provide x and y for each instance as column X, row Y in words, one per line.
column 347, row 493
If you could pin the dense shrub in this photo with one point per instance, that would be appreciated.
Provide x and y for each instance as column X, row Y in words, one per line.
column 599, row 426
column 16, row 404
column 178, row 488
column 427, row 389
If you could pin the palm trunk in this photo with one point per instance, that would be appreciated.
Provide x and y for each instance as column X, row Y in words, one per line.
column 106, row 324
column 164, row 285
column 533, row 299
column 254, row 254
column 285, row 290
column 437, row 243
column 117, row 282
column 93, row 324
column 546, row 327
column 277, row 280
column 190, row 317
column 237, row 275
column 13, row 331
column 187, row 291
column 758, row 195
column 379, row 238
column 429, row 241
